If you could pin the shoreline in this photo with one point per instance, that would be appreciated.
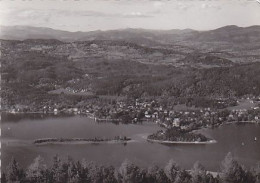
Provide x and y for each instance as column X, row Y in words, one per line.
column 91, row 116
column 241, row 122
column 181, row 142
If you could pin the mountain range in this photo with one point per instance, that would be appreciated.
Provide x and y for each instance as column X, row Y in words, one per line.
column 232, row 33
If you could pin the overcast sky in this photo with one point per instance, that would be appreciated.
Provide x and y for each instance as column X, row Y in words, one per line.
column 88, row 15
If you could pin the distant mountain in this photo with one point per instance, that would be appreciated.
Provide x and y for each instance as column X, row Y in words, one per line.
column 27, row 32
column 140, row 36
column 231, row 34
column 225, row 44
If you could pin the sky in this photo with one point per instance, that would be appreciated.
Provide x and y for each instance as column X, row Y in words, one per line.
column 89, row 15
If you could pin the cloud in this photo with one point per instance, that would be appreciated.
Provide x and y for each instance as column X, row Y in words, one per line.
column 183, row 6
column 47, row 15
column 158, row 4
column 210, row 6
column 135, row 14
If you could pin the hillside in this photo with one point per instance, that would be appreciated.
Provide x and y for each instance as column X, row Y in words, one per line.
column 237, row 44
column 36, row 71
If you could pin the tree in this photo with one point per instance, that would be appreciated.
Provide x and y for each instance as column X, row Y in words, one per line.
column 156, row 174
column 84, row 172
column 198, row 173
column 232, row 172
column 211, row 179
column 257, row 172
column 3, row 178
column 183, row 177
column 36, row 171
column 72, row 170
column 13, row 172
column 171, row 170
column 249, row 177
column 56, row 170
column 95, row 174
column 128, row 173
column 108, row 174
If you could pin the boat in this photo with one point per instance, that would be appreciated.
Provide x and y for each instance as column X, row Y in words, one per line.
column 255, row 139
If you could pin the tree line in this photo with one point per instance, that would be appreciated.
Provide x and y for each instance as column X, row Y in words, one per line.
column 70, row 171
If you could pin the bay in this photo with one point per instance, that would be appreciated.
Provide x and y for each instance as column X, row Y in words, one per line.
column 19, row 132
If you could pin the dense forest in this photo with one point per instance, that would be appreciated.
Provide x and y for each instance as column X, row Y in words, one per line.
column 174, row 134
column 83, row 172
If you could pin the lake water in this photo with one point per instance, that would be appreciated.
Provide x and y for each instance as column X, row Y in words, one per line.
column 19, row 132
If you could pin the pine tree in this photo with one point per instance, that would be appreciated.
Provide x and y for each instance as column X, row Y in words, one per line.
column 37, row 170
column 183, row 177
column 13, row 172
column 198, row 174
column 84, row 172
column 257, row 172
column 3, row 178
column 171, row 170
column 70, row 171
column 56, row 170
column 211, row 179
column 151, row 174
column 108, row 174
column 128, row 173
column 156, row 175
column 232, row 172
column 95, row 173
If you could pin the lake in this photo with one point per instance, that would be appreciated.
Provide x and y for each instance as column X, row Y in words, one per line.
column 19, row 131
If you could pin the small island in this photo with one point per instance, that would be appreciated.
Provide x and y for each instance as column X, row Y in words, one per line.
column 178, row 136
column 116, row 139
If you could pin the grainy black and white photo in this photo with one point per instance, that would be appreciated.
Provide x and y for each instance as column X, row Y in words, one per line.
column 130, row 91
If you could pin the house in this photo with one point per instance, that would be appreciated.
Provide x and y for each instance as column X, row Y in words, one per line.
column 155, row 115
column 184, row 127
column 147, row 115
column 207, row 113
column 171, row 112
column 135, row 120
column 176, row 122
column 231, row 117
column 168, row 119
column 93, row 46
column 186, row 113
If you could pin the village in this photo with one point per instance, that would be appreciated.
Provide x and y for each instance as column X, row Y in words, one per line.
column 144, row 110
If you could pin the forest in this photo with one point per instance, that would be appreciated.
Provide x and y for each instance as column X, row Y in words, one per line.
column 70, row 171
column 175, row 134
column 27, row 72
